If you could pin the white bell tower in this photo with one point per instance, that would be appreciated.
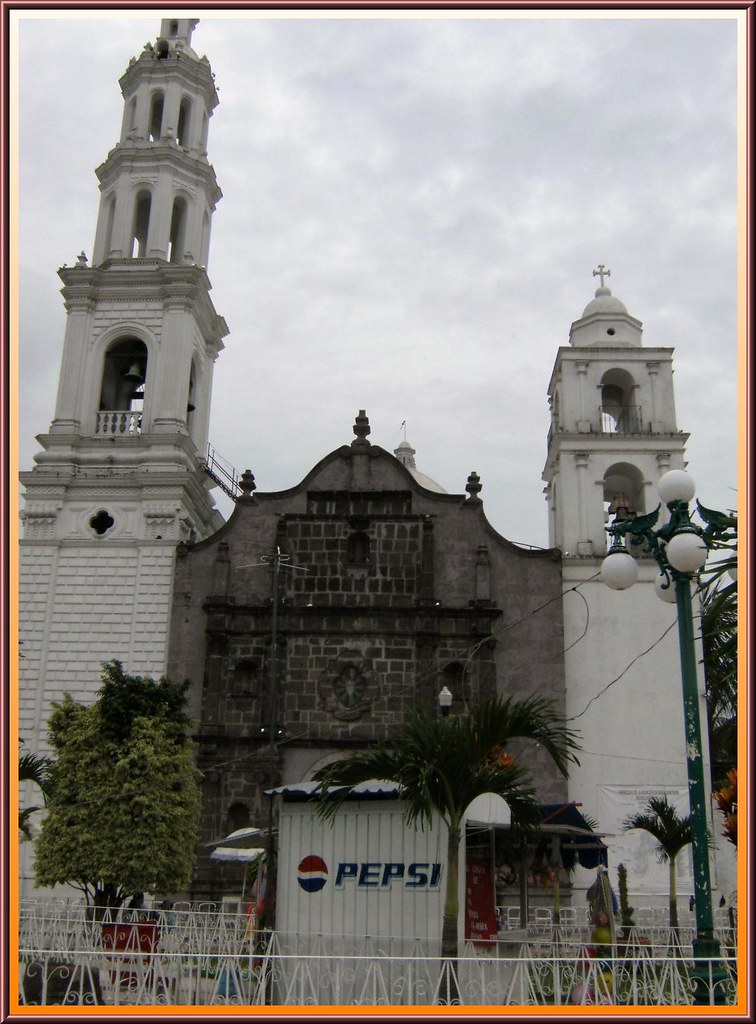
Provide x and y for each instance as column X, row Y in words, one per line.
column 613, row 434
column 120, row 479
column 613, row 428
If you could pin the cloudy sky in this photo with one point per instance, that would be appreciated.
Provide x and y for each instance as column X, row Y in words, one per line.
column 413, row 208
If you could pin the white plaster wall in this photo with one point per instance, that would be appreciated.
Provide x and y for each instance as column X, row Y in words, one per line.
column 627, row 704
column 81, row 605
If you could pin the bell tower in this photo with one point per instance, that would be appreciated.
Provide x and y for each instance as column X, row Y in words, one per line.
column 613, row 434
column 120, row 479
column 613, row 429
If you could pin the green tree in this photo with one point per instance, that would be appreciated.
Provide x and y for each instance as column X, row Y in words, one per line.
column 36, row 769
column 123, row 812
column 672, row 834
column 719, row 633
column 442, row 764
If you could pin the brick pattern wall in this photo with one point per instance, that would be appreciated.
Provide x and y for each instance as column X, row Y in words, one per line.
column 82, row 605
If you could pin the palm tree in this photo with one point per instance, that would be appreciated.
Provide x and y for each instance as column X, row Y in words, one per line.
column 672, row 834
column 442, row 764
column 32, row 768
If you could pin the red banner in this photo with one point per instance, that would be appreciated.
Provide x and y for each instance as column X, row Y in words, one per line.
column 480, row 908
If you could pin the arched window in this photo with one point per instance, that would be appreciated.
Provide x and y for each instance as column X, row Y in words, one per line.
column 184, row 123
column 237, row 817
column 177, row 245
column 132, row 113
column 624, row 493
column 203, row 137
column 192, row 394
column 156, row 117
column 619, row 414
column 122, row 391
column 358, row 548
column 142, row 211
column 453, row 677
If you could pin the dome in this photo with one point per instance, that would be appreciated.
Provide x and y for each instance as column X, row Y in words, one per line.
column 406, row 455
column 604, row 302
column 606, row 322
column 426, row 482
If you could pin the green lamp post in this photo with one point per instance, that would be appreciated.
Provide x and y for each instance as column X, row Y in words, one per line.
column 680, row 548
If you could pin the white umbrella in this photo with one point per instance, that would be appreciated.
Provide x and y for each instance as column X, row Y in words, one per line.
column 243, row 855
column 488, row 809
column 234, row 853
column 242, row 838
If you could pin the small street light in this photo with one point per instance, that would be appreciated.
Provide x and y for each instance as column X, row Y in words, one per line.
column 680, row 549
column 445, row 701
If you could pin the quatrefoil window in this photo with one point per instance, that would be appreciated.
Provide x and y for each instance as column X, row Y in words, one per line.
column 101, row 522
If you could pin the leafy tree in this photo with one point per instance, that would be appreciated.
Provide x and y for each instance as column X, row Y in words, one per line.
column 123, row 811
column 727, row 801
column 672, row 834
column 719, row 633
column 442, row 764
column 32, row 768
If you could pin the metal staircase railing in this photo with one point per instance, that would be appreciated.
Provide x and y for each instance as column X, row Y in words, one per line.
column 222, row 472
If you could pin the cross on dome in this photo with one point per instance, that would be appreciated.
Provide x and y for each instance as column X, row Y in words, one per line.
column 602, row 272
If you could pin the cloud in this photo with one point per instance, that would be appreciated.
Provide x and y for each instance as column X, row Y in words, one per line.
column 412, row 211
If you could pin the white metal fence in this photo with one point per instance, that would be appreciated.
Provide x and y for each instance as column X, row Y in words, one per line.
column 202, row 957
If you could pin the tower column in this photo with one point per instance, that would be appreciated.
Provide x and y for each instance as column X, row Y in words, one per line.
column 170, row 392
column 69, row 401
column 584, row 423
column 160, row 218
column 584, row 544
column 121, row 242
column 653, row 374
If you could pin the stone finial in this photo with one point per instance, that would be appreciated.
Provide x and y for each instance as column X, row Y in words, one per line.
column 247, row 484
column 81, row 260
column 361, row 428
column 473, row 487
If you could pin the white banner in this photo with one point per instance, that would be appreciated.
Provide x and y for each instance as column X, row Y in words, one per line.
column 637, row 849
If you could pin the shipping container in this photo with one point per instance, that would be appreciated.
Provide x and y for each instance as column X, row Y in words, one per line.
column 365, row 875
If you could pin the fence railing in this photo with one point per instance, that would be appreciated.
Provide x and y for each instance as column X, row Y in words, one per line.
column 205, row 958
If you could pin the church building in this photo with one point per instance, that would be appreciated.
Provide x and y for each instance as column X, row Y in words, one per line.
column 316, row 617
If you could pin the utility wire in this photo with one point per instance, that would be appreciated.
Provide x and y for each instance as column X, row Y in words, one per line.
column 623, row 672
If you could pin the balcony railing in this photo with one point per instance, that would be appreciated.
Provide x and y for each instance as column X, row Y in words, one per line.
column 620, row 419
column 119, row 423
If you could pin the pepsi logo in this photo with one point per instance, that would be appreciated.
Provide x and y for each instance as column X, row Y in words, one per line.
column 313, row 873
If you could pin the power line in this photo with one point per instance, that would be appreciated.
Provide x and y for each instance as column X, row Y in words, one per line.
column 626, row 669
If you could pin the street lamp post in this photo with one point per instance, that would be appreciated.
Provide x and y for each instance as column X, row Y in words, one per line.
column 680, row 549
column 445, row 701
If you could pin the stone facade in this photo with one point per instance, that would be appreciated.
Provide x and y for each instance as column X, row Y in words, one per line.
column 385, row 591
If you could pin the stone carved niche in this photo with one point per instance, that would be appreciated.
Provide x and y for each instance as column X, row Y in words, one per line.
column 39, row 520
column 348, row 687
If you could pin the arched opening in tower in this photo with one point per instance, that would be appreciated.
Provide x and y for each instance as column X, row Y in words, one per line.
column 123, row 387
column 140, row 234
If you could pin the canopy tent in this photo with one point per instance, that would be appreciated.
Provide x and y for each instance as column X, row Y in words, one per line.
column 239, row 854
column 577, row 840
column 241, row 839
column 234, row 853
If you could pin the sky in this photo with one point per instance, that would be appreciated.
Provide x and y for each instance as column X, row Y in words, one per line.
column 413, row 209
